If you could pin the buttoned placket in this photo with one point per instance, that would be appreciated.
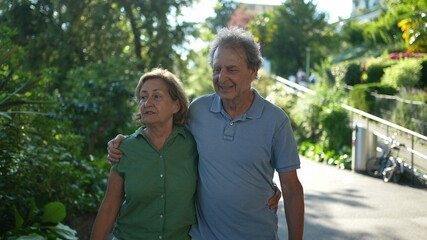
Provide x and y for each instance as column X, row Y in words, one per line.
column 162, row 191
column 231, row 126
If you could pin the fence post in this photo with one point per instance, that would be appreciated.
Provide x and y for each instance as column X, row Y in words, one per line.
column 412, row 162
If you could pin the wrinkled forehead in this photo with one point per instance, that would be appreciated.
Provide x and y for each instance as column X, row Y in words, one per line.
column 229, row 55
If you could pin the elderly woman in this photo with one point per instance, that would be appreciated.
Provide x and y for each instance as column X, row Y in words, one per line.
column 150, row 194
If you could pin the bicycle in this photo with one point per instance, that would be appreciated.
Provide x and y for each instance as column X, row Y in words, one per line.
column 388, row 165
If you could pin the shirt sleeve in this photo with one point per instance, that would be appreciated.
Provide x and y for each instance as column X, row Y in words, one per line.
column 285, row 151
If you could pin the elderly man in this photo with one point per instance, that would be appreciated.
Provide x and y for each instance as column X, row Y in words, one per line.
column 241, row 139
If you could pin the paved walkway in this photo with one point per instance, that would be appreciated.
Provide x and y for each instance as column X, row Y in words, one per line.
column 340, row 204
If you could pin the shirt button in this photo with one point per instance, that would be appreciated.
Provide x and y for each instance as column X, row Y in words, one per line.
column 161, row 156
column 161, row 196
column 160, row 237
column 161, row 175
column 231, row 124
column 161, row 216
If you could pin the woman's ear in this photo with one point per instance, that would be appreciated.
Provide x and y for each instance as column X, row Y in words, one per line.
column 177, row 106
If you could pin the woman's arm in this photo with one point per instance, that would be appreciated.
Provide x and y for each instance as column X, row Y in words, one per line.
column 109, row 208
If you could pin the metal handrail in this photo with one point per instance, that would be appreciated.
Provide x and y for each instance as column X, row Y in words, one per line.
column 400, row 128
column 371, row 117
column 385, row 122
column 294, row 85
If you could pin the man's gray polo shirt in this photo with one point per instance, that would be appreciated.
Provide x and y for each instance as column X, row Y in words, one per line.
column 237, row 159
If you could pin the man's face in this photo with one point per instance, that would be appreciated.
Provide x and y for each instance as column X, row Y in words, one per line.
column 230, row 74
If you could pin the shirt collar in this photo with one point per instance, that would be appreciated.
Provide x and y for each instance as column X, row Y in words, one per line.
column 176, row 130
column 254, row 111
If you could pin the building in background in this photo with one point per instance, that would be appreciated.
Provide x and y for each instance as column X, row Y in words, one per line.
column 245, row 13
column 365, row 10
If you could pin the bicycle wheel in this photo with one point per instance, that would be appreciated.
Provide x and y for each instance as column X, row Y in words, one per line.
column 372, row 167
column 397, row 173
column 389, row 170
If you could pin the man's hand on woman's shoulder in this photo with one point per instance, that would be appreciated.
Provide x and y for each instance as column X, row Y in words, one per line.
column 114, row 154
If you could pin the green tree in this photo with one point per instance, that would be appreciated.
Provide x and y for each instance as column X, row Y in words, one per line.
column 40, row 153
column 77, row 32
column 294, row 27
column 223, row 9
column 80, row 32
column 414, row 30
column 155, row 38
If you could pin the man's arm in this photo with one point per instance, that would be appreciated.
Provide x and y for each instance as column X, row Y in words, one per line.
column 293, row 197
column 114, row 154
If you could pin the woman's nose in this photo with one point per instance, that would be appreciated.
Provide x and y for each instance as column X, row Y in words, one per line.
column 147, row 102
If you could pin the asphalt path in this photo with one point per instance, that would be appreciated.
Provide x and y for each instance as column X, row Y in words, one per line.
column 341, row 204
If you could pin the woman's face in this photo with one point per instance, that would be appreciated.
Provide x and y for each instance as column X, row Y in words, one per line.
column 156, row 105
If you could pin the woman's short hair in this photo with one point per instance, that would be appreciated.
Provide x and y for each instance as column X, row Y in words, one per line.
column 235, row 37
column 175, row 91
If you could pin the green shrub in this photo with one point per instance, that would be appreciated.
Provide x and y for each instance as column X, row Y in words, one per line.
column 335, row 127
column 405, row 73
column 99, row 101
column 40, row 154
column 42, row 223
column 324, row 73
column 375, row 69
column 319, row 153
column 423, row 80
column 411, row 115
column 360, row 96
column 305, row 114
column 338, row 71
column 353, row 74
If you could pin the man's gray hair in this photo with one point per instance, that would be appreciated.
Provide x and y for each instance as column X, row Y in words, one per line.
column 236, row 37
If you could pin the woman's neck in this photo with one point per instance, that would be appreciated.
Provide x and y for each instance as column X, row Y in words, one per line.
column 158, row 135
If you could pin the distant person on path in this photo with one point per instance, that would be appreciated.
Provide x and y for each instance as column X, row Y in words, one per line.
column 301, row 77
column 241, row 139
column 313, row 79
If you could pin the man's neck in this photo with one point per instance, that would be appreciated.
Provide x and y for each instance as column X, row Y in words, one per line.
column 237, row 107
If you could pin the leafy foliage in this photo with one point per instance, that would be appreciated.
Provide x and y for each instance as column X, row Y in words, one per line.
column 98, row 102
column 335, row 125
column 405, row 73
column 353, row 74
column 375, row 68
column 223, row 11
column 63, row 100
column 42, row 223
column 316, row 152
column 411, row 113
column 289, row 31
column 360, row 96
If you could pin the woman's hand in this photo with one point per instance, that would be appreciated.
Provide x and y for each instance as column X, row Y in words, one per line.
column 273, row 202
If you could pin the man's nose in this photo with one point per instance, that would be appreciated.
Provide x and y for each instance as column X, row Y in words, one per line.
column 222, row 76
